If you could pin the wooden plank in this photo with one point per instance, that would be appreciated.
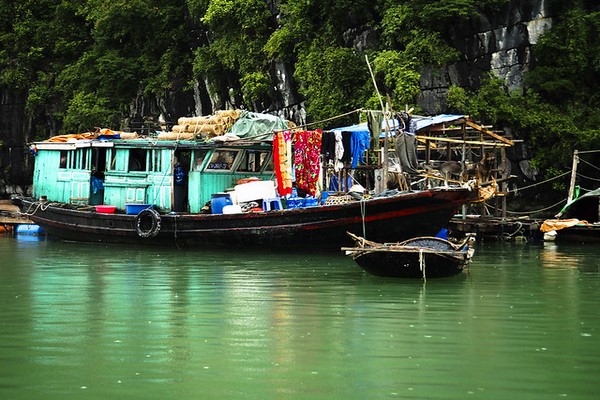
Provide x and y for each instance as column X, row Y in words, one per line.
column 488, row 132
column 474, row 142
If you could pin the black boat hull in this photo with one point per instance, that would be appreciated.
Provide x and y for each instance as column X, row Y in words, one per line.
column 390, row 218
column 579, row 234
column 420, row 257
column 411, row 265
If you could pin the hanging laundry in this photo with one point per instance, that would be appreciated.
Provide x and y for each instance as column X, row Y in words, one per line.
column 307, row 149
column 346, row 146
column 374, row 120
column 328, row 145
column 338, row 164
column 282, row 160
column 359, row 142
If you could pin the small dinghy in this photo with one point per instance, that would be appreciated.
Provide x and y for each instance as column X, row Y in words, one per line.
column 420, row 257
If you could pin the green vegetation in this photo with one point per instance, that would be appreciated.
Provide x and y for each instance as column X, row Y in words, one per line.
column 83, row 64
column 560, row 110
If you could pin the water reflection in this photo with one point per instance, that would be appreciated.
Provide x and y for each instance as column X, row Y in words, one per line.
column 117, row 322
column 559, row 255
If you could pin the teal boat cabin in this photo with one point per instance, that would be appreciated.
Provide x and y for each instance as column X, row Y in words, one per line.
column 179, row 176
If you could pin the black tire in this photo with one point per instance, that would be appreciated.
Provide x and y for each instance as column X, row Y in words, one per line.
column 147, row 223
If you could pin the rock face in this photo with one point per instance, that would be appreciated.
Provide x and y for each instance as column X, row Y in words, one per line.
column 15, row 173
column 498, row 43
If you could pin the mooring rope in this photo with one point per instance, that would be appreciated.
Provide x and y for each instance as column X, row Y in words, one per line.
column 538, row 183
column 588, row 163
column 528, row 212
column 588, row 177
column 38, row 206
column 422, row 264
column 363, row 212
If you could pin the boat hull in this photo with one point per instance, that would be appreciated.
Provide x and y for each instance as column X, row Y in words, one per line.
column 383, row 219
column 579, row 234
column 420, row 257
column 411, row 265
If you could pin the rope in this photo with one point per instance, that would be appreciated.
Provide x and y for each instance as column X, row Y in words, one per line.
column 38, row 206
column 584, row 189
column 363, row 211
column 520, row 224
column 589, row 163
column 331, row 118
column 588, row 177
column 539, row 183
column 422, row 264
column 528, row 212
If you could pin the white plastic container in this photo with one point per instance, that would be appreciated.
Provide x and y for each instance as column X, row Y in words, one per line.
column 257, row 190
column 232, row 209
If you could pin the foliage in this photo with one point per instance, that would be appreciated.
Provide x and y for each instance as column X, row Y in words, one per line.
column 86, row 111
column 255, row 86
column 399, row 76
column 457, row 99
column 238, row 33
column 333, row 80
column 569, row 60
column 83, row 64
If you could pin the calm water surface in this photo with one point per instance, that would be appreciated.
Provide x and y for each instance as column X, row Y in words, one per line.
column 97, row 322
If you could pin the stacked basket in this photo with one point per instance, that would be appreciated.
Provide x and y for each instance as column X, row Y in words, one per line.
column 190, row 128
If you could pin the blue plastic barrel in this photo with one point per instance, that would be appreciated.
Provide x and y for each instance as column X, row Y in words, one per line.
column 29, row 229
column 310, row 201
column 218, row 201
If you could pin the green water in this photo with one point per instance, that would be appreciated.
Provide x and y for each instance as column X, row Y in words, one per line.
column 96, row 322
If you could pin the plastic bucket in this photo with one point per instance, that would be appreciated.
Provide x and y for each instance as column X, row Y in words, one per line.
column 135, row 208
column 218, row 201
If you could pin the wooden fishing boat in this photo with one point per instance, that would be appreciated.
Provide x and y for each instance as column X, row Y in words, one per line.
column 420, row 257
column 319, row 227
column 578, row 222
column 149, row 191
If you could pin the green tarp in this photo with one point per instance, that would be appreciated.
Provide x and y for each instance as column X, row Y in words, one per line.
column 257, row 126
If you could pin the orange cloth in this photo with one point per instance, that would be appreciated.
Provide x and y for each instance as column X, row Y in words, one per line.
column 282, row 159
column 558, row 224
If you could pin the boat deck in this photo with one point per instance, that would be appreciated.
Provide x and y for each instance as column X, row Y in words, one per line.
column 10, row 217
column 496, row 228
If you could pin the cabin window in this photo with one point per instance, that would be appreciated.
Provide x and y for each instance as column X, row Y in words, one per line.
column 74, row 159
column 137, row 159
column 198, row 160
column 199, row 156
column 222, row 160
column 254, row 160
column 83, row 159
column 111, row 159
column 156, row 161
column 99, row 160
column 64, row 158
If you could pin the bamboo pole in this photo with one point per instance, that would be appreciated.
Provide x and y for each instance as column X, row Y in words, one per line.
column 384, row 159
column 573, row 176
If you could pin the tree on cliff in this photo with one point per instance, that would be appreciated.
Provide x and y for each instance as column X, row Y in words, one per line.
column 85, row 64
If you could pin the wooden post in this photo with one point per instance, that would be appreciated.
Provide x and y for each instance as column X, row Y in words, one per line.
column 573, row 176
column 504, row 184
